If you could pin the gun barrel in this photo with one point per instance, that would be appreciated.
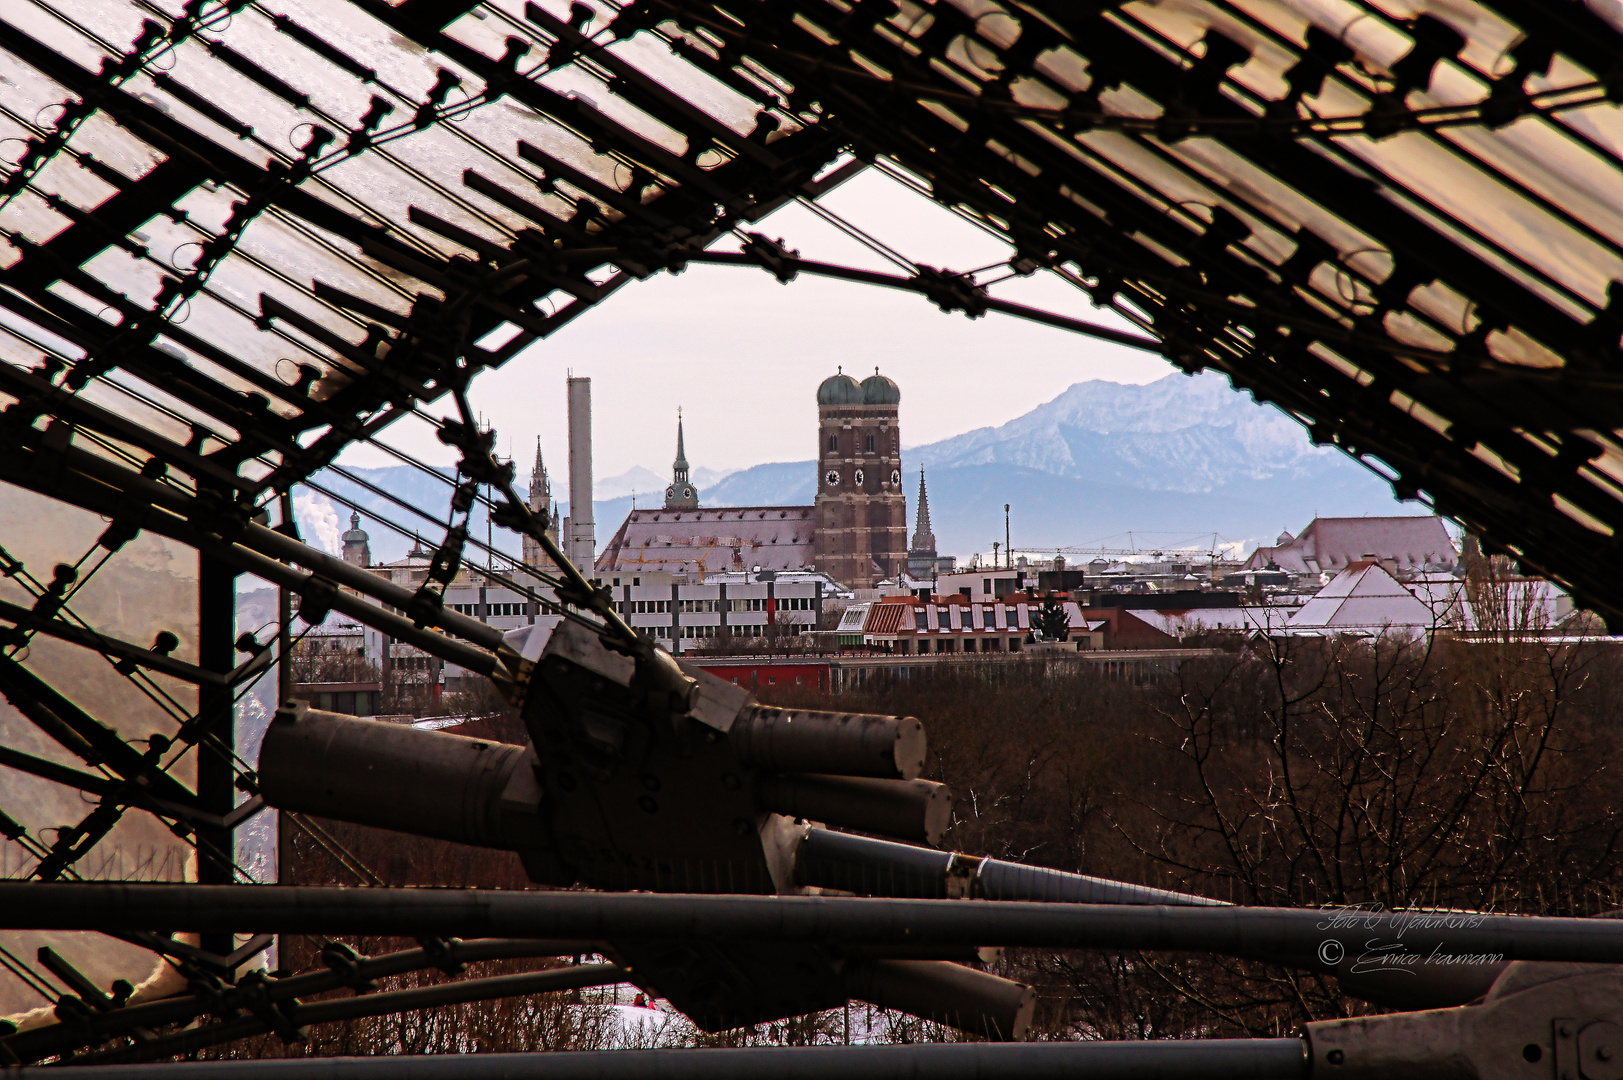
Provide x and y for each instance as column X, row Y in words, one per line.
column 429, row 783
column 962, row 997
column 863, row 865
column 844, row 744
column 909, row 809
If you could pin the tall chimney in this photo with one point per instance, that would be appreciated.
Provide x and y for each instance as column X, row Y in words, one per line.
column 582, row 539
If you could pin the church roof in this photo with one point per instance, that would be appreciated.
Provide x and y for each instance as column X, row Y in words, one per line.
column 1330, row 544
column 839, row 389
column 681, row 462
column 879, row 390
column 923, row 536
column 711, row 540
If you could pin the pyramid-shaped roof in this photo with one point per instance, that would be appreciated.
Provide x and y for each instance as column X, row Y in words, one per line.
column 1362, row 598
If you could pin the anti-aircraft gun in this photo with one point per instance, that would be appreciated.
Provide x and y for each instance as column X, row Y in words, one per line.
column 643, row 773
column 672, row 780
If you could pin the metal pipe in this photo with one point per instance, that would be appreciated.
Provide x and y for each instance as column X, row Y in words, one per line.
column 575, row 977
column 1205, row 1059
column 918, row 285
column 266, row 541
column 285, row 549
column 123, row 650
column 1233, row 931
column 861, row 864
column 962, row 997
column 910, row 809
column 40, row 1042
column 104, row 487
column 392, row 776
column 844, row 744
column 362, row 611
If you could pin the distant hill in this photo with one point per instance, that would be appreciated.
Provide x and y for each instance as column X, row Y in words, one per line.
column 323, row 518
column 645, row 483
column 791, row 483
column 1168, row 461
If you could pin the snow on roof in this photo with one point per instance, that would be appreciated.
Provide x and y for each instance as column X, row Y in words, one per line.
column 725, row 538
column 1331, row 544
column 1363, row 597
column 1176, row 623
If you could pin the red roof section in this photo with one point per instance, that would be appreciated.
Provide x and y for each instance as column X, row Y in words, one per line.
column 885, row 618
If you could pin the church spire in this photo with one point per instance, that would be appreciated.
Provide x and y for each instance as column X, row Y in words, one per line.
column 540, row 483
column 923, row 538
column 679, row 467
column 542, row 505
column 681, row 495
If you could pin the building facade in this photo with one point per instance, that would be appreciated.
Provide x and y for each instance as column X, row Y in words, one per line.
column 541, row 504
column 856, row 532
column 752, row 607
column 913, row 628
column 357, row 544
column 860, row 509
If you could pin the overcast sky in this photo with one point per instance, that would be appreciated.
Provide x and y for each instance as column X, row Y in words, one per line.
column 742, row 355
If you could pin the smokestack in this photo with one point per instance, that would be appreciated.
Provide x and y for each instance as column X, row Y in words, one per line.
column 582, row 538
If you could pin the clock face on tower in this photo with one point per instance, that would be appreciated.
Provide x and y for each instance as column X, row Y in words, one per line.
column 896, row 476
column 857, row 479
column 832, row 478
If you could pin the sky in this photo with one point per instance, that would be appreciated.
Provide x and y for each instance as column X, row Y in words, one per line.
column 742, row 355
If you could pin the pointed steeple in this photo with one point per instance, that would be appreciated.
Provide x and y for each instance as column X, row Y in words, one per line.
column 540, row 483
column 681, row 495
column 923, row 538
column 679, row 467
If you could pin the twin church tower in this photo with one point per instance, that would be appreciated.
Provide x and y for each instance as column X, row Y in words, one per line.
column 860, row 510
column 855, row 531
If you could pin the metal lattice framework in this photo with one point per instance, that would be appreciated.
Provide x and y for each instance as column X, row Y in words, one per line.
column 237, row 236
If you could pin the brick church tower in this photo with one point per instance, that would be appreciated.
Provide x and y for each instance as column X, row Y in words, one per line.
column 861, row 512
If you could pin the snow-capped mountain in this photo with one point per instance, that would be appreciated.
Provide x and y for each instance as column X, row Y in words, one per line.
column 1169, row 461
column 641, row 481
column 1177, row 434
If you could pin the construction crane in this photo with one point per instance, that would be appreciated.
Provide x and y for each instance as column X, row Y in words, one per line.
column 1211, row 552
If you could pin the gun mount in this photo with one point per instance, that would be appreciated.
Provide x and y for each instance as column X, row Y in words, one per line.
column 629, row 785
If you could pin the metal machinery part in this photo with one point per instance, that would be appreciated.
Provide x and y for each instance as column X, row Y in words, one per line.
column 1230, row 930
column 1214, row 1059
column 1538, row 1022
column 621, row 791
column 232, row 249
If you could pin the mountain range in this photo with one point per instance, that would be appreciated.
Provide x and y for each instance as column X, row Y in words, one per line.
column 1171, row 462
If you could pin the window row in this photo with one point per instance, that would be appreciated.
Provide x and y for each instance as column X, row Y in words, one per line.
column 713, row 607
column 503, row 610
column 643, row 607
column 954, row 618
column 868, row 443
column 736, row 631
